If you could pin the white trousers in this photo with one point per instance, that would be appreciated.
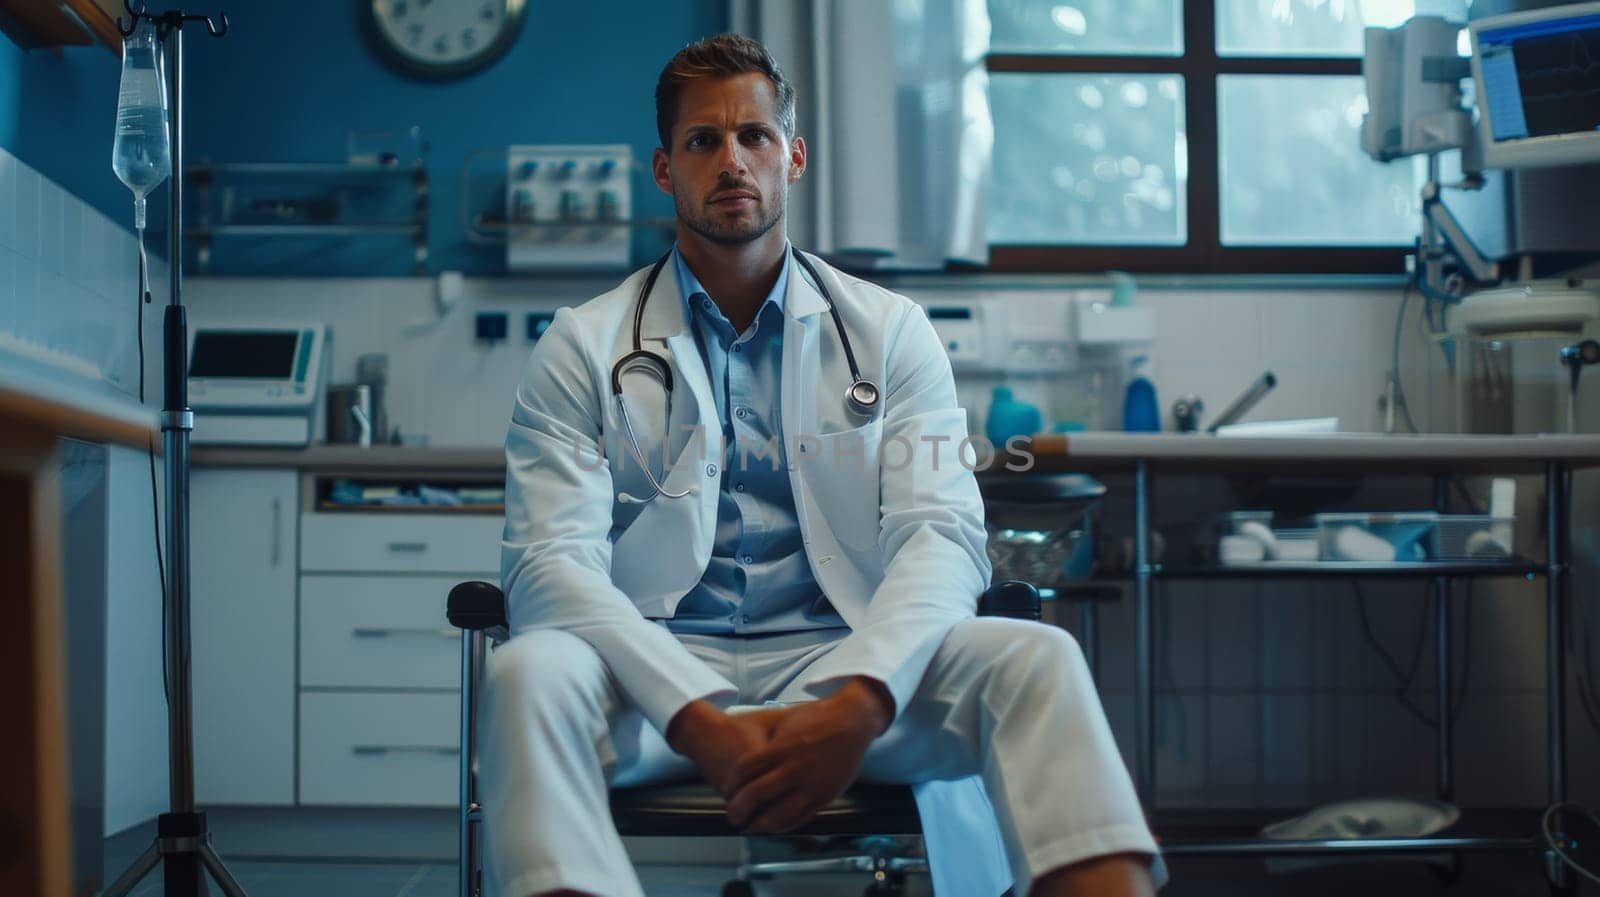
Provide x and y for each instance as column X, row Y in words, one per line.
column 1008, row 700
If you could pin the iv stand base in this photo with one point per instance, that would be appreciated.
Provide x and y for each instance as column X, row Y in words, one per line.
column 182, row 846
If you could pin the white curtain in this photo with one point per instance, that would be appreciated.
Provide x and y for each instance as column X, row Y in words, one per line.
column 893, row 104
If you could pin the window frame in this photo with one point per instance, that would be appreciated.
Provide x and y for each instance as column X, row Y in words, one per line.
column 1204, row 252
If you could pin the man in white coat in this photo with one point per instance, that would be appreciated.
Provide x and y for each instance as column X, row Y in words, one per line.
column 735, row 480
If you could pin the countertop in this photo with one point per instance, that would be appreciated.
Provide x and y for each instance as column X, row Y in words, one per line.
column 1312, row 454
column 38, row 398
column 1321, row 453
column 355, row 459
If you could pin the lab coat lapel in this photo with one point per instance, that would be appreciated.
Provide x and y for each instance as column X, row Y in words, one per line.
column 803, row 319
column 665, row 549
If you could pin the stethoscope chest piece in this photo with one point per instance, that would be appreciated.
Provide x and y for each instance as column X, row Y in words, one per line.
column 862, row 398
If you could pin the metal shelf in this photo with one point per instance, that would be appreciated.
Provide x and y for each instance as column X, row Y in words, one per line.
column 322, row 208
column 499, row 230
column 304, row 169
column 1267, row 847
column 398, row 228
column 1337, row 569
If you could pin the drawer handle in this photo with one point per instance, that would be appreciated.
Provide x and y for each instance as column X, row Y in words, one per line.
column 425, row 631
column 376, row 750
column 408, row 547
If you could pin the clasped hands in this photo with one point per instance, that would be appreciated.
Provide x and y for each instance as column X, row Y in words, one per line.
column 778, row 767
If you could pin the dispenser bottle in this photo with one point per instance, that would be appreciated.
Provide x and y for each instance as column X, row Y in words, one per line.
column 1140, row 413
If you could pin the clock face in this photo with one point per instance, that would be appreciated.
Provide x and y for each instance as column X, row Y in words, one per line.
column 444, row 38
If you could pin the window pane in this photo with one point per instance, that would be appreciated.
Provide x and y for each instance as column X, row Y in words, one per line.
column 1088, row 159
column 1292, row 169
column 1098, row 27
column 1315, row 27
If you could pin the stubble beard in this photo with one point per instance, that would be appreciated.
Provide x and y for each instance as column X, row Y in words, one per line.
column 736, row 233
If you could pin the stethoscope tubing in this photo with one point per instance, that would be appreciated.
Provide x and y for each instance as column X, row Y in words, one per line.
column 661, row 368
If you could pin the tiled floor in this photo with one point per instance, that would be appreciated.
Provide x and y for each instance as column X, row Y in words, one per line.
column 1486, row 877
column 366, row 835
column 400, row 880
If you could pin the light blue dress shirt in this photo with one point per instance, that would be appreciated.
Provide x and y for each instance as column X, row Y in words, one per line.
column 758, row 581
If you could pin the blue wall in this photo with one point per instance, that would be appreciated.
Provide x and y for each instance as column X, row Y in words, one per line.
column 282, row 88
column 58, row 114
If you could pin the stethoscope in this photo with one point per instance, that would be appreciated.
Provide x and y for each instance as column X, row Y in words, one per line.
column 861, row 397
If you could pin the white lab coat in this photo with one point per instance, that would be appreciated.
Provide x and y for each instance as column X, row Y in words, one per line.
column 898, row 550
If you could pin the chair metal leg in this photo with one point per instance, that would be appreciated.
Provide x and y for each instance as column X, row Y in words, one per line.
column 469, row 874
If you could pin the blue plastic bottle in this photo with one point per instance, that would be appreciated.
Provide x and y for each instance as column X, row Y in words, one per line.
column 1140, row 414
column 1008, row 417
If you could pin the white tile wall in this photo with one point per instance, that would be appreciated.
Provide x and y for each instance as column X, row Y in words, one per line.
column 68, row 279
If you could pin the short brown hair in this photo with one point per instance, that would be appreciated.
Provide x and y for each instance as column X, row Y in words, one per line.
column 722, row 56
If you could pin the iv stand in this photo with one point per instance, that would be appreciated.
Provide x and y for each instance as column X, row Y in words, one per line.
column 183, row 842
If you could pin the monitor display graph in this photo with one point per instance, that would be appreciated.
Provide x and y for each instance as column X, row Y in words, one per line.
column 1542, row 79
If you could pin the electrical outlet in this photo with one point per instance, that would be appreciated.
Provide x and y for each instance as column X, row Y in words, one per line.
column 538, row 323
column 491, row 326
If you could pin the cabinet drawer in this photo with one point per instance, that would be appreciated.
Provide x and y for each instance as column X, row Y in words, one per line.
column 388, row 543
column 378, row 631
column 379, row 749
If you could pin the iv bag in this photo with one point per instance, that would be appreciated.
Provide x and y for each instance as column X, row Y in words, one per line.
column 141, row 155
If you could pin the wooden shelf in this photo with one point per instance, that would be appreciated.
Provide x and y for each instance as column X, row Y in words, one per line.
column 52, row 24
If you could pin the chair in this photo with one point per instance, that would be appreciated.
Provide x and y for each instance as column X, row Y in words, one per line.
column 869, row 812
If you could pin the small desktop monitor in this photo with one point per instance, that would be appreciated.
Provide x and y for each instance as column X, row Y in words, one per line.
column 1538, row 83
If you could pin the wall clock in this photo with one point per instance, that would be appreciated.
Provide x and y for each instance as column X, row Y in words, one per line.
column 444, row 38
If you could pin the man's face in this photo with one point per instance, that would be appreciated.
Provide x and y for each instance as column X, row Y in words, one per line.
column 730, row 167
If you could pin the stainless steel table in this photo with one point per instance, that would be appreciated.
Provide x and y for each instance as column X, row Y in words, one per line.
column 1147, row 455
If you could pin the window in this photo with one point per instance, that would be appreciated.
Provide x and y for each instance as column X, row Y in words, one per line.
column 1193, row 136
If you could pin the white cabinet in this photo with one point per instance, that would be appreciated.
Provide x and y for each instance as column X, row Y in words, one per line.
column 400, row 749
column 380, row 667
column 243, row 567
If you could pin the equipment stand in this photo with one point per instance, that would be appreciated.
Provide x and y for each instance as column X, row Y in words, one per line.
column 183, row 842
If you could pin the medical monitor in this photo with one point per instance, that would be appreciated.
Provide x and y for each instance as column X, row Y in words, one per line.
column 1538, row 83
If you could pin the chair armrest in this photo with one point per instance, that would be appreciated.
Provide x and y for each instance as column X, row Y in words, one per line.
column 1012, row 598
column 477, row 606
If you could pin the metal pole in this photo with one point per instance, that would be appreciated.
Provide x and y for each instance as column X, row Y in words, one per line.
column 472, row 660
column 183, row 840
column 1441, row 621
column 1555, row 627
column 1144, row 657
column 177, row 421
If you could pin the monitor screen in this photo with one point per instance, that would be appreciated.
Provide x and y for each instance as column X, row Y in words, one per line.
column 254, row 355
column 1541, row 78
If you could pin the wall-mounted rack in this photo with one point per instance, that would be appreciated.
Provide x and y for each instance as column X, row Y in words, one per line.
column 307, row 199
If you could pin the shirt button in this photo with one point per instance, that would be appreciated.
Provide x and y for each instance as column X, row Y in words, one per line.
column 738, row 487
column 738, row 348
column 744, row 618
column 711, row 470
column 747, row 559
column 739, row 413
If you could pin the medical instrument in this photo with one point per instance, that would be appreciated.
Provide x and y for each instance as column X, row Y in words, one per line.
column 861, row 397
column 1186, row 413
column 1536, row 78
column 141, row 151
column 350, row 414
column 256, row 384
column 182, row 845
column 1576, row 357
column 1241, row 406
